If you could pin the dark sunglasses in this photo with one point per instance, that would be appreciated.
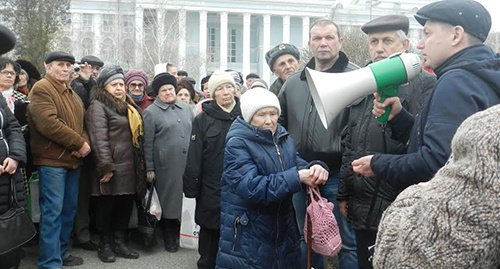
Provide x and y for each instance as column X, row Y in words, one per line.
column 134, row 85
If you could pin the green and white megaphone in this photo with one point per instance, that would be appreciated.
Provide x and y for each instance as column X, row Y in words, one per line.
column 333, row 92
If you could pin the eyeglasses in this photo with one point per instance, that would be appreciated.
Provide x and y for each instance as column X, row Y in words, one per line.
column 5, row 73
column 134, row 85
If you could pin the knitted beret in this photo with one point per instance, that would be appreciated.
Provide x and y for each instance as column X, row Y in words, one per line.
column 136, row 75
column 255, row 99
column 218, row 78
column 108, row 74
column 163, row 79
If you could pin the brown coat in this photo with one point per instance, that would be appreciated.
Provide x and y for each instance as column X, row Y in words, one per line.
column 55, row 117
column 111, row 141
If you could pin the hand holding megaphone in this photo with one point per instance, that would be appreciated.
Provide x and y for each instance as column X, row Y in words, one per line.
column 333, row 92
column 379, row 108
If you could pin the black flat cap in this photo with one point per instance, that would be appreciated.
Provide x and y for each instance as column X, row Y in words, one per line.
column 92, row 60
column 59, row 56
column 471, row 15
column 387, row 23
column 7, row 39
column 279, row 50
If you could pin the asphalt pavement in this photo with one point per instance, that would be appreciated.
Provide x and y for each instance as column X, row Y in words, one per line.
column 157, row 257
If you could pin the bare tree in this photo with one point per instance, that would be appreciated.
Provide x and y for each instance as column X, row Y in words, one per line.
column 355, row 45
column 36, row 23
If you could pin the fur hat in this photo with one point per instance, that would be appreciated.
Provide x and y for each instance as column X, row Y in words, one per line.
column 108, row 74
column 280, row 50
column 452, row 220
column 218, row 78
column 163, row 79
column 255, row 99
column 136, row 75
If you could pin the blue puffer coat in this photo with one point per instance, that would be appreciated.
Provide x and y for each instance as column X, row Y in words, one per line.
column 258, row 228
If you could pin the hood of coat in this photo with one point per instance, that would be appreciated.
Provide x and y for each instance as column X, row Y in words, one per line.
column 112, row 102
column 479, row 60
column 214, row 110
column 241, row 128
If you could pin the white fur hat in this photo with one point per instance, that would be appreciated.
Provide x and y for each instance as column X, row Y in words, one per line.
column 255, row 99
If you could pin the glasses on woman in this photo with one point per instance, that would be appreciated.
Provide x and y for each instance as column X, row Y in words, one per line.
column 6, row 73
column 135, row 85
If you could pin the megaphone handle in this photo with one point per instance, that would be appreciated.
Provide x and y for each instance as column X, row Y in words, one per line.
column 385, row 116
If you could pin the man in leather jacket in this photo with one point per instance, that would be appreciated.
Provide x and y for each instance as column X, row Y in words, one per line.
column 300, row 117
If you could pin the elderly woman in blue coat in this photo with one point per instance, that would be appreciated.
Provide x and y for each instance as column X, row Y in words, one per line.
column 262, row 170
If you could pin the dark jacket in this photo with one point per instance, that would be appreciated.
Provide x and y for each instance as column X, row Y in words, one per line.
column 107, row 122
column 56, row 119
column 468, row 82
column 276, row 86
column 258, row 228
column 364, row 135
column 300, row 117
column 83, row 88
column 205, row 161
column 12, row 136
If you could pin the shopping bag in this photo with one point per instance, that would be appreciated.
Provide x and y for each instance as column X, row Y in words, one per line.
column 145, row 233
column 33, row 205
column 190, row 231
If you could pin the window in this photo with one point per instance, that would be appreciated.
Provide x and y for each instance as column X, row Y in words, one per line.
column 231, row 48
column 108, row 21
column 87, row 22
column 87, row 46
column 108, row 50
column 211, row 44
column 128, row 24
column 150, row 21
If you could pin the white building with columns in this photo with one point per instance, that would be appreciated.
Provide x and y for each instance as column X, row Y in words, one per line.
column 202, row 36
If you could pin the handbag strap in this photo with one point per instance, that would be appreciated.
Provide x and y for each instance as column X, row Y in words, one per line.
column 13, row 193
column 151, row 188
column 315, row 195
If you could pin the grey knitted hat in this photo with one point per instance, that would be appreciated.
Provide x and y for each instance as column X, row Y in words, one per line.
column 452, row 221
column 108, row 74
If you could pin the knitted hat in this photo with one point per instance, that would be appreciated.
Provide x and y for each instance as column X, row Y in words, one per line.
column 136, row 75
column 218, row 78
column 163, row 79
column 255, row 99
column 108, row 74
column 259, row 83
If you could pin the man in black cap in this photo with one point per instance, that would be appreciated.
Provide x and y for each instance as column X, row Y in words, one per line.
column 468, row 75
column 58, row 144
column 363, row 201
column 283, row 60
column 90, row 67
column 313, row 142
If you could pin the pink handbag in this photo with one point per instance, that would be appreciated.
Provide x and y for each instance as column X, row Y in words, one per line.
column 325, row 231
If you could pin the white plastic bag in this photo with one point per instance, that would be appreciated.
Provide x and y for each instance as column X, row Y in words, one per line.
column 155, row 208
column 190, row 231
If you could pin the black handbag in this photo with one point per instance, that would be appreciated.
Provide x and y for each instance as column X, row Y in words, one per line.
column 144, row 236
column 16, row 227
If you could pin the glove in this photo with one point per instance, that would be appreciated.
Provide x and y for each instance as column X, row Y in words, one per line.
column 150, row 176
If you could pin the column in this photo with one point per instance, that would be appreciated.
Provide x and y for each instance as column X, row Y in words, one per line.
column 181, row 55
column 139, row 35
column 97, row 33
column 305, row 31
column 266, row 44
column 203, row 44
column 223, row 40
column 286, row 29
column 76, row 38
column 159, row 37
column 246, row 44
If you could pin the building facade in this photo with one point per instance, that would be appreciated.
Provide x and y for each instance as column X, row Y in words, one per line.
column 202, row 36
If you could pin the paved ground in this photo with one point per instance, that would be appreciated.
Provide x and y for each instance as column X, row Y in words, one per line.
column 156, row 258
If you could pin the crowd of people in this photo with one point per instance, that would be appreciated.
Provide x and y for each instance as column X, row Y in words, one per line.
column 99, row 137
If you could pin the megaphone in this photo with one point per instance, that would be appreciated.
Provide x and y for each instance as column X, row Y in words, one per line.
column 333, row 92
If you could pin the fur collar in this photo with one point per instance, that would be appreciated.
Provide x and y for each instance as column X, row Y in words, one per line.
column 112, row 102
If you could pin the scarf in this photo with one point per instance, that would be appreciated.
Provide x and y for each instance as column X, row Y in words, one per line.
column 228, row 110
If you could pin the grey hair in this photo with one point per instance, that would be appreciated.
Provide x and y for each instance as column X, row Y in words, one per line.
column 402, row 36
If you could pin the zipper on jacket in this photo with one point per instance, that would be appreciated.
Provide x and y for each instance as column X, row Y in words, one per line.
column 279, row 206
column 236, row 221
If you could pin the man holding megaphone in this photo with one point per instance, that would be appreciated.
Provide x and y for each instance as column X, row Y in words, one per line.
column 363, row 201
column 468, row 75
